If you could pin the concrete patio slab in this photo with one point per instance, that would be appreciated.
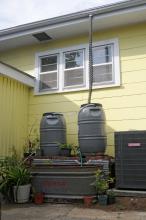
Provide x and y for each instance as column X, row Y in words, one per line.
column 65, row 212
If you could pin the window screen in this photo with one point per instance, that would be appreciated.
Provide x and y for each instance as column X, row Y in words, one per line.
column 103, row 64
column 73, row 68
column 48, row 72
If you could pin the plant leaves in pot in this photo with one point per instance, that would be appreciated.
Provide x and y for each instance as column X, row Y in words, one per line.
column 32, row 142
column 6, row 185
column 101, row 184
column 111, row 196
column 19, row 177
column 65, row 150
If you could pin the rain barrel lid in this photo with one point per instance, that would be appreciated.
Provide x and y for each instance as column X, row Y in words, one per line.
column 51, row 113
column 91, row 104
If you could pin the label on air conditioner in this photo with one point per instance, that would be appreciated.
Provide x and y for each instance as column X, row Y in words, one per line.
column 134, row 144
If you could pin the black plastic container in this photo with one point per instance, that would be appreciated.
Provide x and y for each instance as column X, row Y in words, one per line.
column 92, row 134
column 52, row 133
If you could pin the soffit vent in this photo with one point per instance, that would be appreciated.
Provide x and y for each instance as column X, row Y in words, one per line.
column 42, row 36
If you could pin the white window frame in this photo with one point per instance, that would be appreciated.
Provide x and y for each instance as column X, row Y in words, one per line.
column 85, row 48
column 75, row 68
column 104, row 64
column 49, row 72
column 115, row 61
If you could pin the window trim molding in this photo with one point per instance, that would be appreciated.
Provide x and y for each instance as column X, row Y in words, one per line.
column 85, row 47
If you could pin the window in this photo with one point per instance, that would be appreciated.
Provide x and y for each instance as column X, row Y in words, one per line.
column 103, row 64
column 73, row 68
column 67, row 69
column 48, row 73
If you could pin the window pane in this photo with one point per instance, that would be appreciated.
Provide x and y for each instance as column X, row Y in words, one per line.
column 73, row 59
column 102, row 54
column 48, row 81
column 49, row 60
column 73, row 77
column 102, row 73
column 49, row 63
column 48, row 68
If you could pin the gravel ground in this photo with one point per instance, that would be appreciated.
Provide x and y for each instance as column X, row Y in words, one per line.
column 65, row 212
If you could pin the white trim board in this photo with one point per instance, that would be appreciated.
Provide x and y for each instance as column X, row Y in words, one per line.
column 17, row 75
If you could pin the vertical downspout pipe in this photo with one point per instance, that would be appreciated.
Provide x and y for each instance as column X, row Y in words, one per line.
column 90, row 59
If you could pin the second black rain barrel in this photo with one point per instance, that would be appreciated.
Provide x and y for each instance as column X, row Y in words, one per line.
column 92, row 134
column 52, row 133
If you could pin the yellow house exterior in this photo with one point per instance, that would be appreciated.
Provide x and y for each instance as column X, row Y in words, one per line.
column 14, row 114
column 14, row 100
column 124, row 104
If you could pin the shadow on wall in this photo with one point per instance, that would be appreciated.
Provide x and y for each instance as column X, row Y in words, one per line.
column 69, row 105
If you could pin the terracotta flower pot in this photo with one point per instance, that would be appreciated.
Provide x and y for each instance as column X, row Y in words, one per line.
column 88, row 201
column 38, row 198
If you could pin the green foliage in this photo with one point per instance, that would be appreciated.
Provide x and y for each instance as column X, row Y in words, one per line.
column 12, row 173
column 75, row 150
column 32, row 141
column 31, row 144
column 111, row 193
column 101, row 182
column 18, row 175
column 66, row 146
column 72, row 147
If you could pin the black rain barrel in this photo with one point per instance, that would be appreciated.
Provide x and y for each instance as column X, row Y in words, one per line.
column 92, row 135
column 52, row 133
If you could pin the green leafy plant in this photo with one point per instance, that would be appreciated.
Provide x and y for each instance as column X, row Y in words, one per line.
column 66, row 146
column 110, row 192
column 13, row 173
column 75, row 150
column 32, row 141
column 18, row 175
column 101, row 182
column 5, row 166
column 111, row 196
column 65, row 150
column 71, row 148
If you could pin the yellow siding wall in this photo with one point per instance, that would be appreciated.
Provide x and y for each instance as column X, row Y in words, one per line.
column 125, row 106
column 13, row 115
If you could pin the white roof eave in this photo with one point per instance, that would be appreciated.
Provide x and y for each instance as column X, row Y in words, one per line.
column 126, row 12
column 16, row 74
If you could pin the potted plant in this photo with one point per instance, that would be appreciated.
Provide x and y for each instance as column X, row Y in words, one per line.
column 5, row 166
column 31, row 148
column 16, row 180
column 38, row 198
column 31, row 144
column 65, row 149
column 102, row 185
column 111, row 196
column 88, row 201
column 20, row 178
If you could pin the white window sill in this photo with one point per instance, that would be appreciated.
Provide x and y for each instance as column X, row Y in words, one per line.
column 76, row 89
